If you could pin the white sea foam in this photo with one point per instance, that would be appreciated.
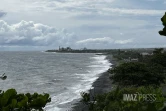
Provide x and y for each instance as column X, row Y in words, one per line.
column 51, row 73
column 99, row 65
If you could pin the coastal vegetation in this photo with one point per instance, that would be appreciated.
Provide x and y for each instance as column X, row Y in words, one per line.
column 139, row 78
column 163, row 32
column 142, row 77
column 115, row 101
column 137, row 74
column 11, row 101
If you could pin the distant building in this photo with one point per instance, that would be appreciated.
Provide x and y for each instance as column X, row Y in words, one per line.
column 68, row 49
column 84, row 48
column 59, row 48
column 131, row 59
column 145, row 54
column 65, row 49
column 126, row 60
column 134, row 60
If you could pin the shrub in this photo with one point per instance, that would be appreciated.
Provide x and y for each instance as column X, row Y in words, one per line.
column 11, row 101
column 113, row 101
column 137, row 74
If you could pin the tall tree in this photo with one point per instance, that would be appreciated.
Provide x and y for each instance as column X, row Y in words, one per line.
column 158, row 51
column 137, row 74
column 163, row 19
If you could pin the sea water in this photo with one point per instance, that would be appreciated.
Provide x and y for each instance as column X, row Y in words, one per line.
column 63, row 75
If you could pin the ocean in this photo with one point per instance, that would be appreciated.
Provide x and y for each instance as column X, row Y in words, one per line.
column 63, row 75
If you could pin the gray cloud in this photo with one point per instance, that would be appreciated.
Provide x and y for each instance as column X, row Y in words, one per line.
column 2, row 14
column 33, row 34
column 104, row 40
column 94, row 21
column 80, row 7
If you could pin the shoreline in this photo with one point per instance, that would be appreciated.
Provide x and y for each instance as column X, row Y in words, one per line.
column 102, row 85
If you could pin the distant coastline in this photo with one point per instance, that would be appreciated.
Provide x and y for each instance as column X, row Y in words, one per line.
column 81, row 51
column 85, row 50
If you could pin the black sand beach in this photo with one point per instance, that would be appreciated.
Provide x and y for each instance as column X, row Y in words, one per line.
column 102, row 85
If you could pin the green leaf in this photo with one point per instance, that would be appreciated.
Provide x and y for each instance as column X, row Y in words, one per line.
column 7, row 96
column 23, row 102
column 14, row 103
column 163, row 19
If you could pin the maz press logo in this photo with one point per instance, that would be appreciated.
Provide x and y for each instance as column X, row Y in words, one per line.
column 139, row 97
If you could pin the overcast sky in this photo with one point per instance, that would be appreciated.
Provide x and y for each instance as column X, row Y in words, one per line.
column 48, row 24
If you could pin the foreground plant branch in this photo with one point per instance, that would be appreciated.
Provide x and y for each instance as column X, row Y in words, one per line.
column 11, row 101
